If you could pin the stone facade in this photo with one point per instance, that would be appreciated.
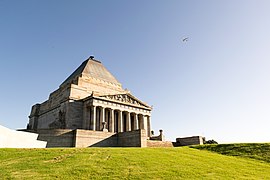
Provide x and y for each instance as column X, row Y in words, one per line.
column 91, row 99
column 87, row 138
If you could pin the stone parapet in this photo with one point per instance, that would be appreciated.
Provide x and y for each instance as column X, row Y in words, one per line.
column 153, row 143
column 187, row 141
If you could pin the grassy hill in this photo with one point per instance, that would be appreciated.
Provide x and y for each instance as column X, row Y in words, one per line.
column 259, row 151
column 127, row 163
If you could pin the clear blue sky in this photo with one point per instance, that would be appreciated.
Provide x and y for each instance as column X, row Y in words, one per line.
column 217, row 84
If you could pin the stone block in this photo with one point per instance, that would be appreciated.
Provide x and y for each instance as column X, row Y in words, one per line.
column 187, row 141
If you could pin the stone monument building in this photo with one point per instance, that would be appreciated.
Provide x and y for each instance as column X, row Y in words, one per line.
column 91, row 101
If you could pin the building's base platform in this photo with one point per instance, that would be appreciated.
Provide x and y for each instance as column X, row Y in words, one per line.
column 88, row 138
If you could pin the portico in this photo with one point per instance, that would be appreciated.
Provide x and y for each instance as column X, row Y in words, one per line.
column 105, row 114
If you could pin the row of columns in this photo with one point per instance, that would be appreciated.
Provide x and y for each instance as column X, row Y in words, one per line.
column 113, row 120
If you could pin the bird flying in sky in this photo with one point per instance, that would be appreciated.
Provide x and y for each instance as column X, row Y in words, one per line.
column 185, row 39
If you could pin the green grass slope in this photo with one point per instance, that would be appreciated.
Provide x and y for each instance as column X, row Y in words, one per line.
column 259, row 151
column 127, row 163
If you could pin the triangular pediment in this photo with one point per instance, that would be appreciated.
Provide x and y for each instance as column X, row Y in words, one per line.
column 126, row 98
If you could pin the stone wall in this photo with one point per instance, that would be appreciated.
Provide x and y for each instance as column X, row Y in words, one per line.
column 56, row 97
column 57, row 137
column 136, row 138
column 88, row 138
column 48, row 119
column 153, row 143
column 74, row 115
column 99, row 85
column 186, row 141
column 78, row 92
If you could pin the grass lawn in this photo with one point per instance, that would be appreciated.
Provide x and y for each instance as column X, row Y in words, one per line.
column 259, row 151
column 127, row 163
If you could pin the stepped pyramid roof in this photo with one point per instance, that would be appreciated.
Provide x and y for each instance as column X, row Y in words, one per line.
column 95, row 69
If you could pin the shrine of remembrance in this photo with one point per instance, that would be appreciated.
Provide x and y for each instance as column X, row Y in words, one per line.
column 90, row 108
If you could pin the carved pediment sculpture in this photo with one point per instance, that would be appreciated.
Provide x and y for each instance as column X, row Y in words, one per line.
column 126, row 98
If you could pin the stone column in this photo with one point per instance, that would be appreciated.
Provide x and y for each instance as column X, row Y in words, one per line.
column 93, row 118
column 148, row 126
column 139, row 121
column 89, row 111
column 111, row 128
column 120, row 121
column 102, row 118
column 128, row 124
column 136, row 122
column 143, row 124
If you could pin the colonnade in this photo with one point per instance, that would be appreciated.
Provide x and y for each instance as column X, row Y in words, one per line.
column 115, row 120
